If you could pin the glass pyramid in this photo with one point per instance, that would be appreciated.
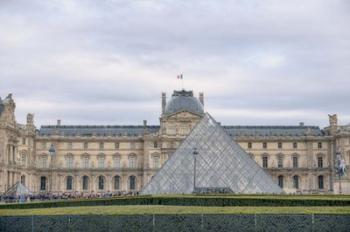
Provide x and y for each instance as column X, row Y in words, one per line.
column 221, row 165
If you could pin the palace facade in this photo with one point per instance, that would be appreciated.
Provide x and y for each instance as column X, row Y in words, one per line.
column 111, row 158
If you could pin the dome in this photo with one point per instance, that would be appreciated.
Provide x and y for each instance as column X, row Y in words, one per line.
column 183, row 101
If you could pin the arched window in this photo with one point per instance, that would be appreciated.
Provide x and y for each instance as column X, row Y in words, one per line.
column 132, row 161
column 296, row 182
column 320, row 182
column 69, row 183
column 116, row 182
column 43, row 183
column 132, row 182
column 85, row 183
column 280, row 181
column 23, row 180
column 101, row 182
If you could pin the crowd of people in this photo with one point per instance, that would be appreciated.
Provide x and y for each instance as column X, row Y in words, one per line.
column 62, row 196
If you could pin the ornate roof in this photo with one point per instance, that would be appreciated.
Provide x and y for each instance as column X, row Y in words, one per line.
column 183, row 101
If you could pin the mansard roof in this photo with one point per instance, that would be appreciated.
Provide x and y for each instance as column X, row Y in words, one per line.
column 96, row 130
column 138, row 130
column 236, row 131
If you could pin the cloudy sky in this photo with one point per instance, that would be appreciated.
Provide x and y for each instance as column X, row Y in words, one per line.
column 266, row 62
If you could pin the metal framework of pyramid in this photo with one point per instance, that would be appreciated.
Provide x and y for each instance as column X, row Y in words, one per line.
column 220, row 164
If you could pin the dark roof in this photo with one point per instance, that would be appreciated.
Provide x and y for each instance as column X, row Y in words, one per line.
column 1, row 106
column 273, row 130
column 233, row 131
column 183, row 101
column 96, row 130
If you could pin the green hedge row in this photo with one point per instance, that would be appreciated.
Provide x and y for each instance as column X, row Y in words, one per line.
column 183, row 201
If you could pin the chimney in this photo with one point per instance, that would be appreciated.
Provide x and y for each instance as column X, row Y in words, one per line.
column 144, row 123
column 58, row 122
column 301, row 124
column 163, row 102
column 201, row 98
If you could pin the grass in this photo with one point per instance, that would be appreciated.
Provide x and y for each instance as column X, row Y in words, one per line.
column 160, row 209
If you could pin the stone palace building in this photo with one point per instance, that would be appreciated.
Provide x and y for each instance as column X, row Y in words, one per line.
column 111, row 158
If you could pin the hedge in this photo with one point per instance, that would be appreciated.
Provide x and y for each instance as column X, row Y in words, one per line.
column 183, row 201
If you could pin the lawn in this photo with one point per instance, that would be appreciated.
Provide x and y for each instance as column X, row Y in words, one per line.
column 162, row 209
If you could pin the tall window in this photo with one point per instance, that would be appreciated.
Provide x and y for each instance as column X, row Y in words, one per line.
column 86, row 145
column 279, row 145
column 85, row 183
column 265, row 161
column 116, row 145
column 295, row 162
column 43, row 183
column 155, row 144
column 24, row 159
column 296, row 182
column 132, row 161
column 69, row 161
column 116, row 162
column 320, row 162
column 23, row 141
column 264, row 145
column 295, row 145
column 101, row 162
column 249, row 145
column 132, row 182
column 320, row 182
column 319, row 145
column 280, row 181
column 280, row 161
column 156, row 162
column 69, row 184
column 101, row 145
column 116, row 182
column 43, row 162
column 101, row 182
column 85, row 162
column 23, row 180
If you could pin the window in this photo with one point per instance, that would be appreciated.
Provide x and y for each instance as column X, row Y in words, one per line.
column 116, row 145
column 85, row 183
column 101, row 162
column 86, row 145
column 320, row 182
column 279, row 145
column 69, row 183
column 156, row 161
column 86, row 162
column 295, row 162
column 265, row 161
column 69, row 161
column 116, row 162
column 132, row 182
column 43, row 162
column 24, row 159
column 101, row 145
column 319, row 145
column 296, row 182
column 23, row 141
column 132, row 161
column 43, row 183
column 116, row 182
column 264, row 145
column 320, row 162
column 249, row 145
column 280, row 181
column 295, row 145
column 70, row 145
column 101, row 182
column 155, row 144
column 23, row 180
column 280, row 161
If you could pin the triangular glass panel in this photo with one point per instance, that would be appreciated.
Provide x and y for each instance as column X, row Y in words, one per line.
column 208, row 160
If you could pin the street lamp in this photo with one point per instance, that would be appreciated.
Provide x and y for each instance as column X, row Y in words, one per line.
column 52, row 152
column 195, row 153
